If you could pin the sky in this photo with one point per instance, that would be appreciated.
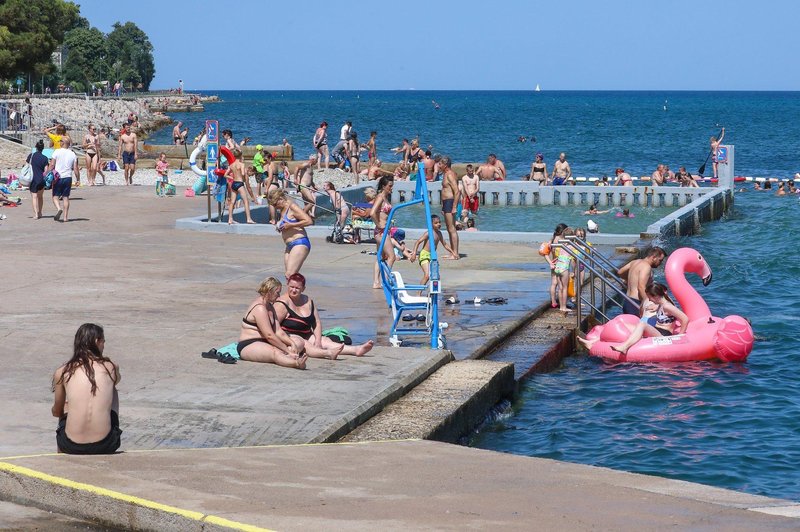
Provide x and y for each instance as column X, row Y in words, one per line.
column 466, row 44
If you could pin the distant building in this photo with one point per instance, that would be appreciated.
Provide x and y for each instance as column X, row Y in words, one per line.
column 59, row 57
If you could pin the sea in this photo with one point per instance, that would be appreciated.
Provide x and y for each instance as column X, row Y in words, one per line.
column 733, row 426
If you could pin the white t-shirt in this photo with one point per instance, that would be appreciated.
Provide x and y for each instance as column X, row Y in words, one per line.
column 344, row 132
column 65, row 161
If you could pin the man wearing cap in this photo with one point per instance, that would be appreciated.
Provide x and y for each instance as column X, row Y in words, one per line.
column 258, row 164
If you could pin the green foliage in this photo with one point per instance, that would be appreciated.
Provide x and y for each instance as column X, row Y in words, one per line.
column 86, row 57
column 30, row 31
column 130, row 55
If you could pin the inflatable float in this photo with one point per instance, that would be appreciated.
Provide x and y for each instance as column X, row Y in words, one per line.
column 707, row 337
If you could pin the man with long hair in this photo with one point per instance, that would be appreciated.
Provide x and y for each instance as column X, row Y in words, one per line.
column 86, row 401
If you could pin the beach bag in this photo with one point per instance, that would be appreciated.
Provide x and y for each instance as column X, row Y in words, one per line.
column 189, row 193
column 26, row 175
column 50, row 179
column 111, row 166
column 170, row 190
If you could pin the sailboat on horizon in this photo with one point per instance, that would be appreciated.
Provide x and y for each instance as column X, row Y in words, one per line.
column 537, row 89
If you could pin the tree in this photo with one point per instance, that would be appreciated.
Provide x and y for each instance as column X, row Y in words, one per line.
column 86, row 57
column 130, row 55
column 30, row 30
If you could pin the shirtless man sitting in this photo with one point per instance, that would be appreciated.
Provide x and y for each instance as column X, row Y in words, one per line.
column 497, row 163
column 471, row 186
column 488, row 172
column 657, row 177
column 639, row 272
column 304, row 181
column 86, row 401
column 561, row 170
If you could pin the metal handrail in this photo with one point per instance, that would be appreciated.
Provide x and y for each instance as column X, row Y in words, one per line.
column 580, row 251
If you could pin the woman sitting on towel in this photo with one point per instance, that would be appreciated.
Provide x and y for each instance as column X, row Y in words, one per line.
column 299, row 318
column 261, row 340
column 291, row 223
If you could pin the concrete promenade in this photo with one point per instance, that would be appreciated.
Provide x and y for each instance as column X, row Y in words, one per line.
column 164, row 295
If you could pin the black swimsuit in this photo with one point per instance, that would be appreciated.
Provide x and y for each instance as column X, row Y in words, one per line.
column 244, row 343
column 302, row 326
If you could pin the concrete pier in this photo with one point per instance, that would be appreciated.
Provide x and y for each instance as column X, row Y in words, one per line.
column 164, row 295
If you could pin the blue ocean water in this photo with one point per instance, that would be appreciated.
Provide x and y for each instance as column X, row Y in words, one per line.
column 729, row 425
column 733, row 426
column 598, row 130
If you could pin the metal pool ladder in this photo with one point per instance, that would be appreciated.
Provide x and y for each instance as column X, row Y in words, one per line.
column 604, row 285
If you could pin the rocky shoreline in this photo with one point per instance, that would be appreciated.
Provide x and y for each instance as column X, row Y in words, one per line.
column 76, row 112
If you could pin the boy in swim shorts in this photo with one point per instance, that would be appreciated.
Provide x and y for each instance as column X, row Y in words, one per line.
column 425, row 253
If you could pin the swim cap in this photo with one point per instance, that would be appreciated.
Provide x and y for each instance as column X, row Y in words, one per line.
column 259, row 147
column 399, row 235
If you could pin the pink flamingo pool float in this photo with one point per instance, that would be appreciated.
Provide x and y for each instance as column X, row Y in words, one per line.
column 707, row 337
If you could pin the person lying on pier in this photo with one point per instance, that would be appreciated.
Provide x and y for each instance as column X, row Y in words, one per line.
column 260, row 338
column 299, row 318
column 657, row 318
column 374, row 170
column 425, row 252
column 85, row 400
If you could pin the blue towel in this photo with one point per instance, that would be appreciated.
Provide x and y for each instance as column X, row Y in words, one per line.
column 229, row 349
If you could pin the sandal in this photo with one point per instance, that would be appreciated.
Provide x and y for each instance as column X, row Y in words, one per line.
column 211, row 353
column 226, row 359
column 408, row 317
column 496, row 300
column 420, row 317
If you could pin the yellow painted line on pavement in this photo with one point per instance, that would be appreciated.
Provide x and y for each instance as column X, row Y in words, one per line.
column 137, row 501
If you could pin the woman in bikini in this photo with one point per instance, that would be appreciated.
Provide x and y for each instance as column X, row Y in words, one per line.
column 539, row 170
column 354, row 154
column 91, row 145
column 291, row 223
column 260, row 339
column 299, row 318
column 379, row 213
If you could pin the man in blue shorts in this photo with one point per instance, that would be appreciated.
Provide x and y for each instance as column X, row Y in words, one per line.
column 127, row 151
column 65, row 164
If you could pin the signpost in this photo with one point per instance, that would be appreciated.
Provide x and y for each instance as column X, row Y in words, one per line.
column 212, row 150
